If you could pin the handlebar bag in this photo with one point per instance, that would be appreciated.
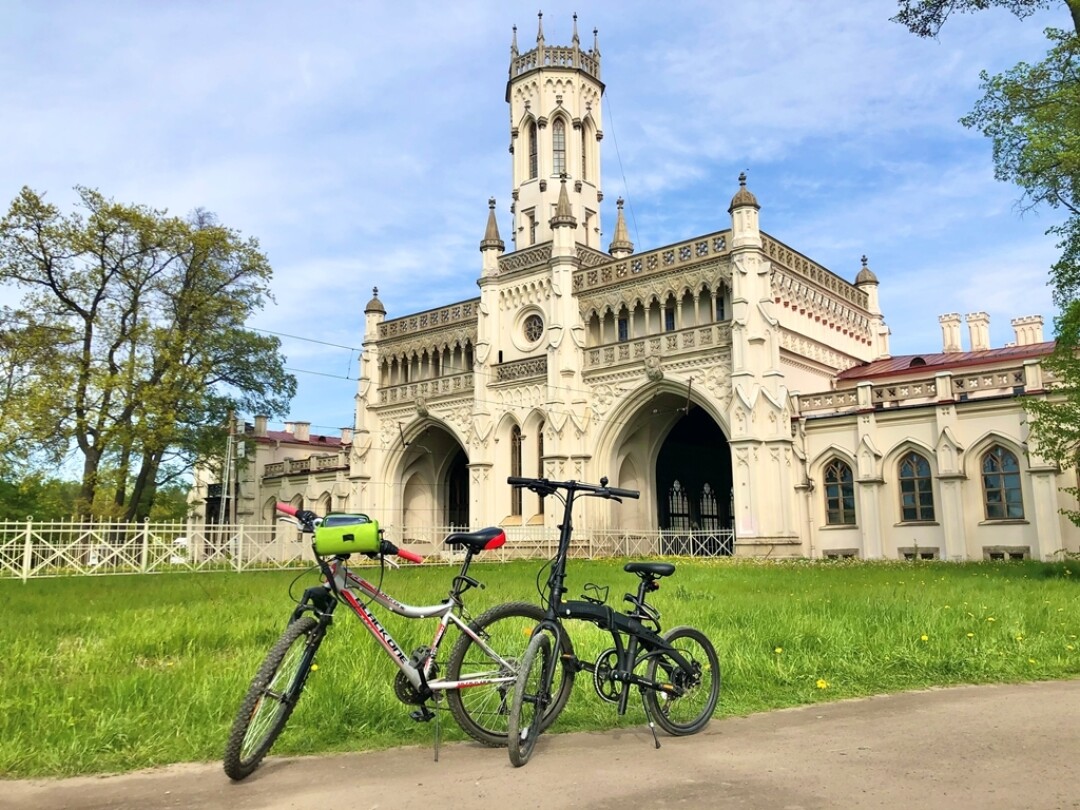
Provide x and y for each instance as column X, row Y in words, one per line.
column 347, row 534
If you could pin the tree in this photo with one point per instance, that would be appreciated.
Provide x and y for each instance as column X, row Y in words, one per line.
column 147, row 350
column 924, row 18
column 1031, row 113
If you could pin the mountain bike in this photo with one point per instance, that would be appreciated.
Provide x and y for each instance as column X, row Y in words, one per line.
column 480, row 673
column 679, row 680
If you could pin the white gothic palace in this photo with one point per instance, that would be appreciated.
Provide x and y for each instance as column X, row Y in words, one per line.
column 747, row 391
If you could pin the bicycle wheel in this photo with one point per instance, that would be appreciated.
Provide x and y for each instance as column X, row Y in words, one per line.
column 483, row 711
column 272, row 697
column 689, row 711
column 532, row 696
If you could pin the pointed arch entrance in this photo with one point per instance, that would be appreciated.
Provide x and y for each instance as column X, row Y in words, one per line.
column 693, row 479
column 434, row 485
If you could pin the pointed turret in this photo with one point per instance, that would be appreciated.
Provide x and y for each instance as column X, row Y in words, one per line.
column 513, row 46
column 879, row 332
column 564, row 214
column 621, row 246
column 492, row 245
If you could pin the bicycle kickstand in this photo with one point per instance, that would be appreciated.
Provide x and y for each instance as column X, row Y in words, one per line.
column 648, row 716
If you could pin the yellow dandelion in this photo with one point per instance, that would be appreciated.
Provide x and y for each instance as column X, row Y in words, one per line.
column 1031, row 661
column 1069, row 647
column 991, row 619
column 1019, row 638
column 924, row 637
column 778, row 650
column 948, row 607
column 314, row 667
column 971, row 635
column 822, row 683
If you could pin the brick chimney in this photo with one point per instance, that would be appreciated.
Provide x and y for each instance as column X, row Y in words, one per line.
column 1028, row 329
column 950, row 332
column 979, row 331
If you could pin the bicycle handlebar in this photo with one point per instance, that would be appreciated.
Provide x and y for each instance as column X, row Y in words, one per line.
column 602, row 491
column 307, row 522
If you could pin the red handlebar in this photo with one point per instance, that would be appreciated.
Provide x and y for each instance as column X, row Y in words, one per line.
column 287, row 508
column 411, row 556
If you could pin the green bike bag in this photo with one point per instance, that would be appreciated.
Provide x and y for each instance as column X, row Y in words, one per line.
column 347, row 534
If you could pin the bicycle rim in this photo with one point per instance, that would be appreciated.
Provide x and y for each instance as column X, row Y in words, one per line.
column 689, row 706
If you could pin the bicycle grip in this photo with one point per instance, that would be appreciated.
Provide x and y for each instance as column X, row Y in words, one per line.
column 411, row 556
column 287, row 508
column 518, row 481
column 624, row 493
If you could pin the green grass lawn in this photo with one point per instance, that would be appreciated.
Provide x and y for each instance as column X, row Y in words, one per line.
column 105, row 674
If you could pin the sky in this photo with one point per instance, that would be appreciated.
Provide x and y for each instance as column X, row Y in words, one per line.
column 359, row 142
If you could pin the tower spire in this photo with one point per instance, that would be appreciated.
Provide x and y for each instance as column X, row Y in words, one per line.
column 575, row 39
column 564, row 214
column 540, row 28
column 491, row 234
column 621, row 246
column 513, row 45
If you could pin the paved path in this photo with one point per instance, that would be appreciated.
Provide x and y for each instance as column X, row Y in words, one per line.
column 986, row 747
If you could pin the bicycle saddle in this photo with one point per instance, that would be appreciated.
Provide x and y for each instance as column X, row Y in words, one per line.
column 653, row 569
column 479, row 540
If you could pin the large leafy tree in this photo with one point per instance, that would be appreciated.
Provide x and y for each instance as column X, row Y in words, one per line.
column 130, row 342
column 1031, row 113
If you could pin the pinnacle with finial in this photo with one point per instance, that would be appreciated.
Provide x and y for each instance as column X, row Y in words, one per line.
column 491, row 234
column 513, row 42
column 575, row 39
column 540, row 27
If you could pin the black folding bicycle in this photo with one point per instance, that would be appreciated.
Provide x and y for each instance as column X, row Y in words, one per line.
column 680, row 679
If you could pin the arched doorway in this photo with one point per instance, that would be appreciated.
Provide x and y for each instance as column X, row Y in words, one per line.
column 694, row 488
column 457, row 491
column 435, row 484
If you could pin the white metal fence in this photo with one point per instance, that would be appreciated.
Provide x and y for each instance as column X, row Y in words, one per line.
column 43, row 549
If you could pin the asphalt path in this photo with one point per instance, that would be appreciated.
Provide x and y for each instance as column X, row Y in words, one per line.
column 986, row 747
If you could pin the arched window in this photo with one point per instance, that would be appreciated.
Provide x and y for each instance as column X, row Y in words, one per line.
column 584, row 153
column 515, row 469
column 839, row 494
column 531, row 130
column 558, row 147
column 1001, row 485
column 916, row 493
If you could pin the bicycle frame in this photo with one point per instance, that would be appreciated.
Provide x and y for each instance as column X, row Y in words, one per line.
column 419, row 674
column 603, row 616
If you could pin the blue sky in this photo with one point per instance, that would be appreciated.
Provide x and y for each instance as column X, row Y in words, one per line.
column 359, row 143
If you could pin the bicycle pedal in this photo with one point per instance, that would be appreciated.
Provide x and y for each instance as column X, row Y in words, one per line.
column 422, row 715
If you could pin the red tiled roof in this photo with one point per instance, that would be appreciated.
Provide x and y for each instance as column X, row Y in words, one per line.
column 907, row 365
column 289, row 438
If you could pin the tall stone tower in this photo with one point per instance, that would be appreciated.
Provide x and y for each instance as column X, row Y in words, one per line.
column 554, row 93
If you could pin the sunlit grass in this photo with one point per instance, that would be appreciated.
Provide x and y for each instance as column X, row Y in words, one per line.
column 116, row 673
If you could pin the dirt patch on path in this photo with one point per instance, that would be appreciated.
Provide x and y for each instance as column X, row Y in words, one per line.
column 985, row 747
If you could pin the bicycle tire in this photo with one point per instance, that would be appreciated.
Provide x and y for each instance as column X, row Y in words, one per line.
column 265, row 709
column 530, row 699
column 483, row 712
column 663, row 707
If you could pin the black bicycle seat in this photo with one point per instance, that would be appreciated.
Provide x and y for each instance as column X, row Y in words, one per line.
column 652, row 569
column 479, row 540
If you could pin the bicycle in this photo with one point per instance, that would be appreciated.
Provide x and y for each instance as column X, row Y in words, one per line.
column 480, row 672
column 680, row 686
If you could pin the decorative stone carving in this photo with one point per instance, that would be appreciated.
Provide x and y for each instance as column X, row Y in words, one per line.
column 653, row 370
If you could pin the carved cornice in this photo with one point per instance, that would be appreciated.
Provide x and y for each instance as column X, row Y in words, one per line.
column 655, row 261
column 433, row 318
column 526, row 259
column 521, row 369
column 780, row 254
